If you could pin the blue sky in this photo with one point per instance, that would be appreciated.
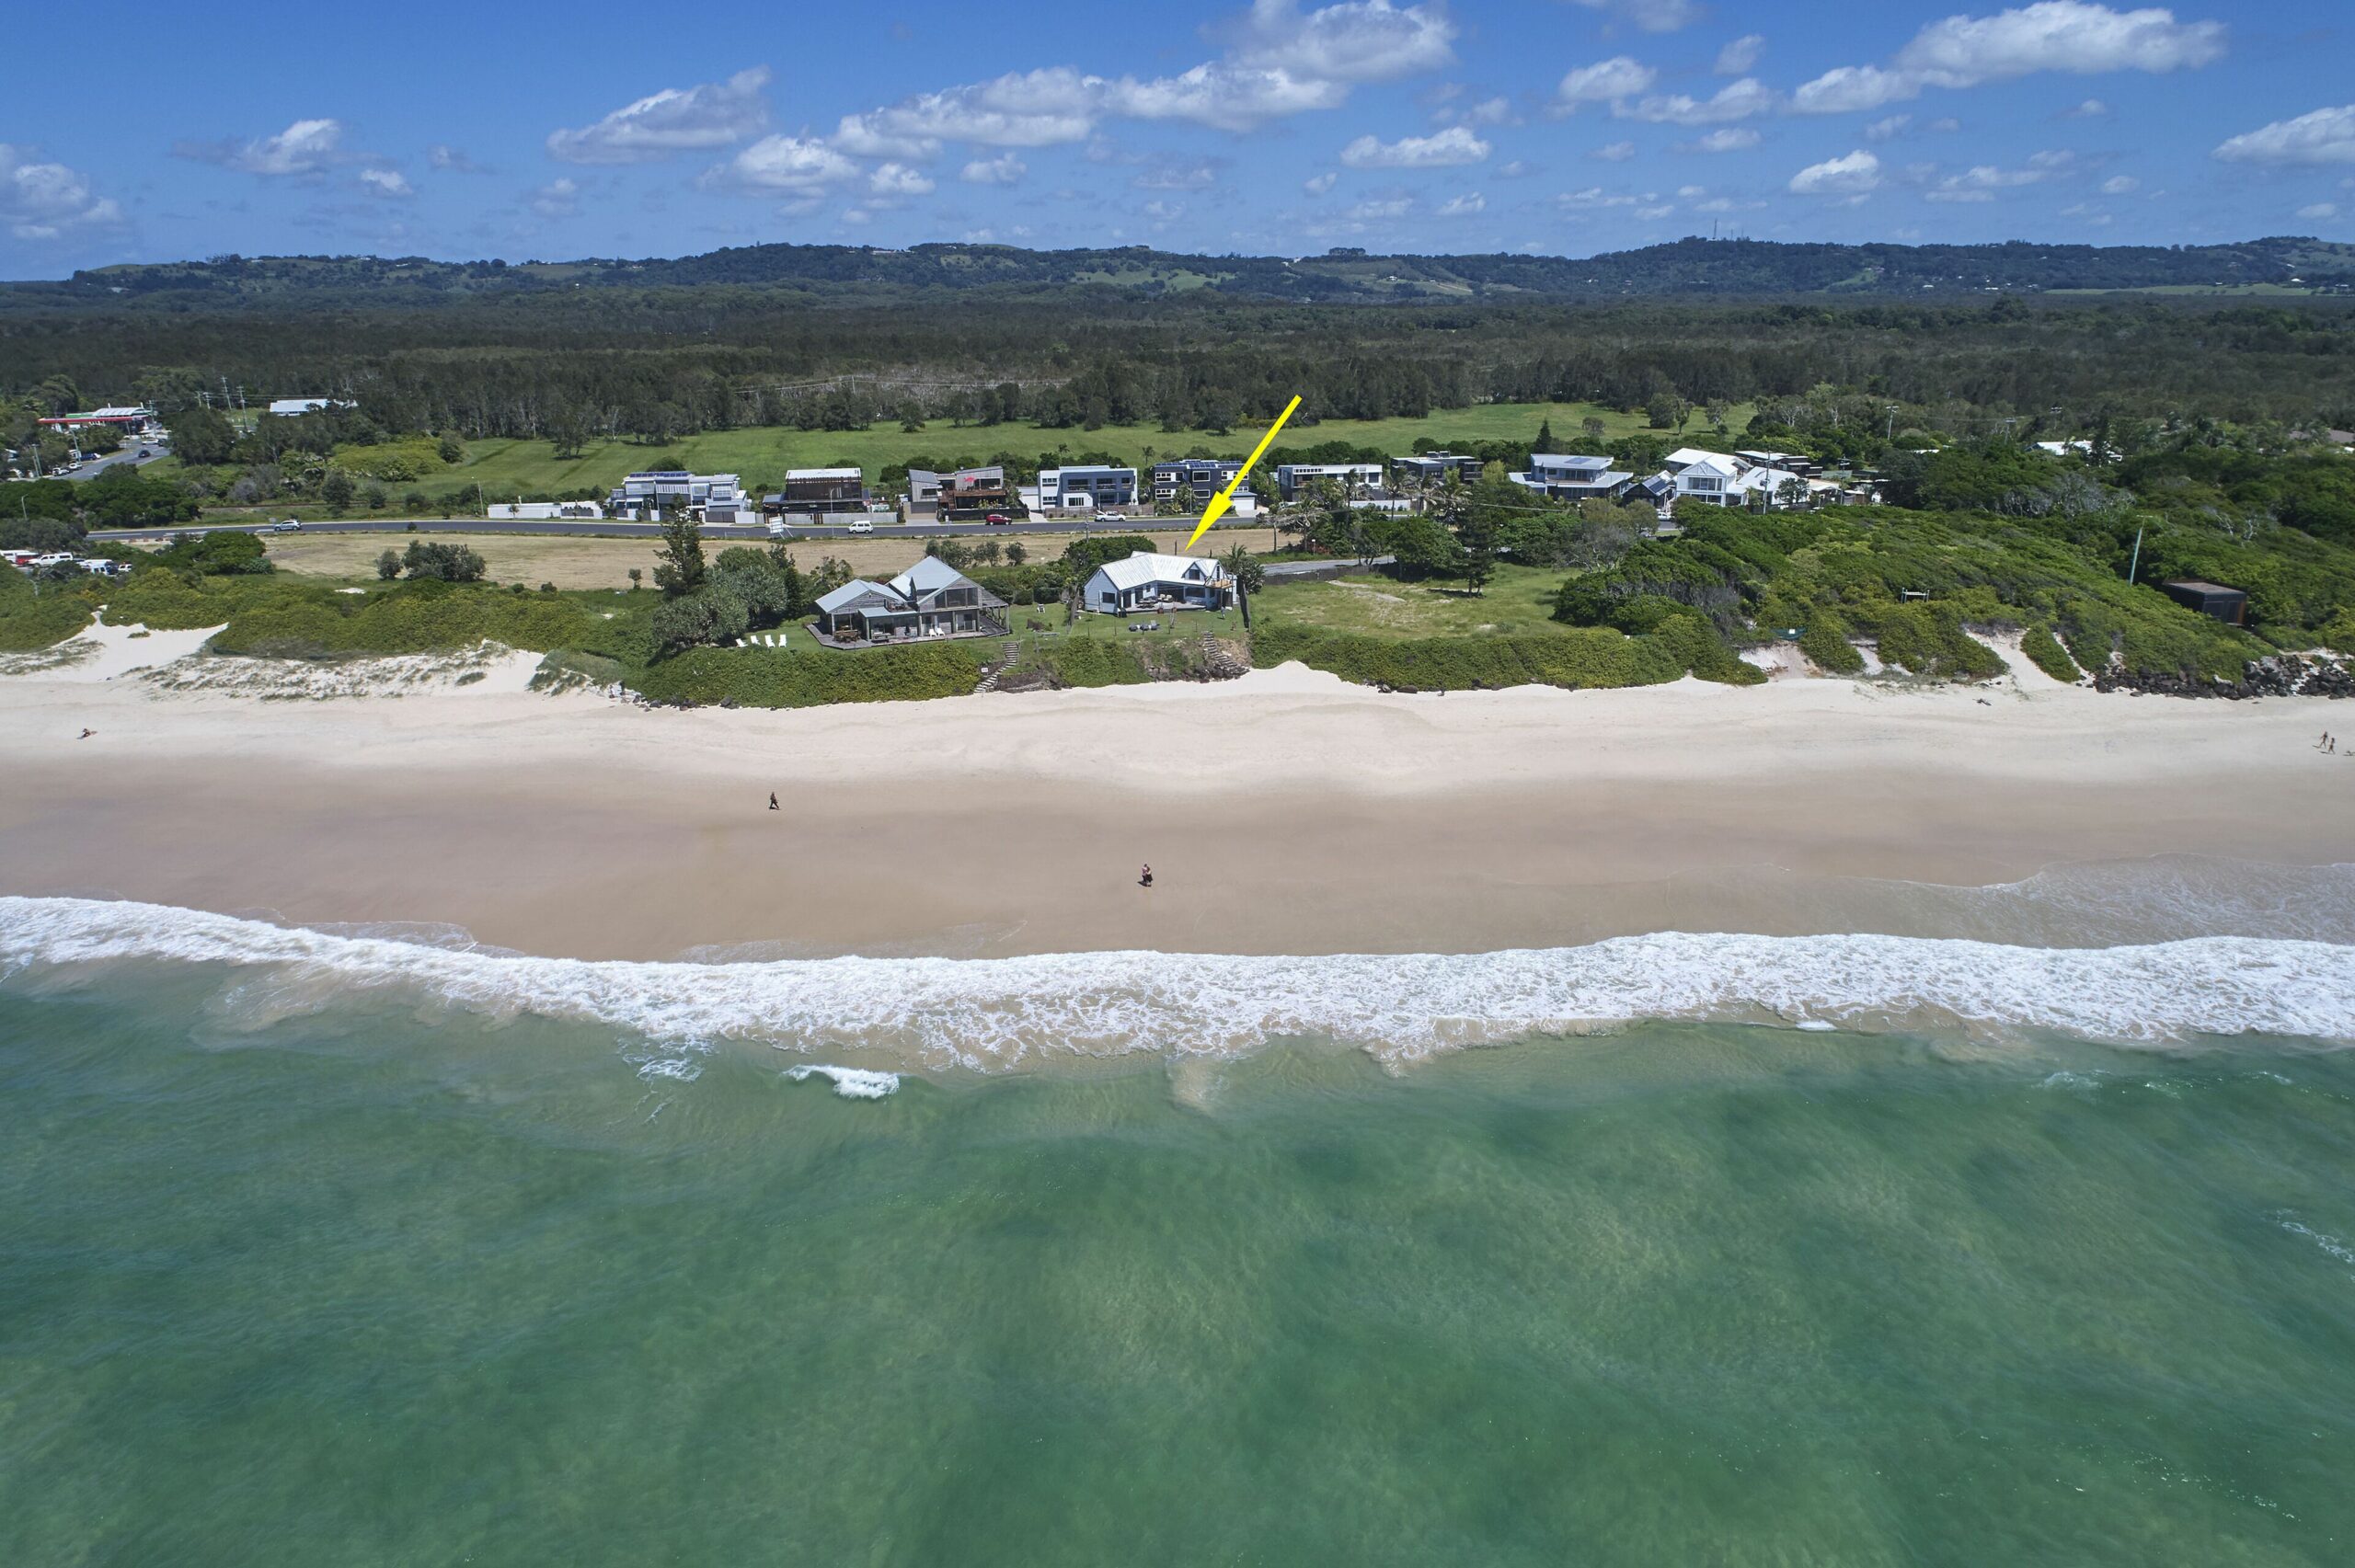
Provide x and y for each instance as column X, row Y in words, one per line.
column 1567, row 127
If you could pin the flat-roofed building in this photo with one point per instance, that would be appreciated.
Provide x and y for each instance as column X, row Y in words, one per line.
column 834, row 488
column 1195, row 479
column 1570, row 477
column 1433, row 467
column 1100, row 485
column 1357, row 480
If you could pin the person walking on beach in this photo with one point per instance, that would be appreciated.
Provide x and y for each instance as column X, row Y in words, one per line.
column 1144, row 877
column 773, row 800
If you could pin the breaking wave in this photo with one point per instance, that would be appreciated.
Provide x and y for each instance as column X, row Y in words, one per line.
column 996, row 1012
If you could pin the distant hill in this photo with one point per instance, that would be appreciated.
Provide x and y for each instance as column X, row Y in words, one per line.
column 850, row 273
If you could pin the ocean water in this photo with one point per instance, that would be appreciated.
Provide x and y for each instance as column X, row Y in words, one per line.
column 363, row 1249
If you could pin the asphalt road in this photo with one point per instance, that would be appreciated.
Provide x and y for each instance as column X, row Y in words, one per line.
column 125, row 455
column 609, row 530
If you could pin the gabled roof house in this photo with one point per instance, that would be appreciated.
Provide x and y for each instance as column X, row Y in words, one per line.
column 1147, row 580
column 930, row 599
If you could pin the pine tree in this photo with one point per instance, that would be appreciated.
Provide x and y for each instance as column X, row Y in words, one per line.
column 1545, row 435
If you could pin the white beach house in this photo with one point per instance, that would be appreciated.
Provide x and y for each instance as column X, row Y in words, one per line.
column 1150, row 581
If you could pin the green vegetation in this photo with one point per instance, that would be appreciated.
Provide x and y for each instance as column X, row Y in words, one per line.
column 1517, row 602
column 1587, row 658
column 1912, row 580
column 798, row 678
column 2046, row 654
column 35, row 615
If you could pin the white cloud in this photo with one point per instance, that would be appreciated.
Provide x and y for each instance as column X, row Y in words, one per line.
column 1451, row 148
column 1735, row 101
column 2058, row 35
column 1621, row 76
column 1177, row 176
column 1514, row 170
column 674, row 120
column 2325, row 136
column 1224, row 96
column 1465, row 206
column 1047, row 108
column 2092, row 108
column 1614, row 151
column 2320, row 210
column 1888, row 128
column 1282, row 62
column 447, row 159
column 390, row 184
column 1730, row 139
column 803, row 165
column 1661, row 211
column 1851, row 175
column 1003, row 170
column 1589, row 200
column 1944, row 126
column 1847, row 88
column 45, row 201
column 1736, row 57
column 1359, row 41
column 1318, row 184
column 1488, row 111
column 1651, row 16
column 1381, row 208
column 1981, row 182
column 559, row 199
column 1690, row 191
column 302, row 148
column 2050, row 35
column 897, row 182
column 2119, row 185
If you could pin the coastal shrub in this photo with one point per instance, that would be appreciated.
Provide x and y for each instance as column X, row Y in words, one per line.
column 1927, row 638
column 32, row 616
column 424, row 618
column 1597, row 658
column 792, row 677
column 2042, row 650
column 1081, row 662
column 1825, row 642
column 222, row 553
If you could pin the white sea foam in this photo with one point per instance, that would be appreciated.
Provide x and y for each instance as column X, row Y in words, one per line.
column 851, row 1083
column 991, row 1014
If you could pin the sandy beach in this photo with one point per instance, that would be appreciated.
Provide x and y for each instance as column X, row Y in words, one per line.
column 1284, row 813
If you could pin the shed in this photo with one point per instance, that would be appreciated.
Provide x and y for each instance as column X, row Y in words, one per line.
column 2229, row 605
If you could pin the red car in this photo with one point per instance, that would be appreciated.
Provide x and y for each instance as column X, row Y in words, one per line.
column 995, row 518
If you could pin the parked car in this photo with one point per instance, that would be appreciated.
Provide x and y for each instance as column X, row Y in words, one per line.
column 995, row 518
column 861, row 526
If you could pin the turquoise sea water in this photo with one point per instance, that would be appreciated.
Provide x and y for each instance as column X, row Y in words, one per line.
column 368, row 1281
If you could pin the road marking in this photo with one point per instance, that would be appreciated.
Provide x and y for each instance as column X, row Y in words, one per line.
column 1224, row 499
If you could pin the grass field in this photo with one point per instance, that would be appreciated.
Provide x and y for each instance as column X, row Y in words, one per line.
column 507, row 469
column 1519, row 599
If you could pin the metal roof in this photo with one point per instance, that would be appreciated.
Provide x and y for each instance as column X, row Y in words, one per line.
column 1145, row 567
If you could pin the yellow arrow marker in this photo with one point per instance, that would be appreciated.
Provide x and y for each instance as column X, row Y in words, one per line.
column 1225, row 498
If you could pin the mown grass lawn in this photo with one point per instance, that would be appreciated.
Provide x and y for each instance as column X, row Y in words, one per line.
column 1519, row 599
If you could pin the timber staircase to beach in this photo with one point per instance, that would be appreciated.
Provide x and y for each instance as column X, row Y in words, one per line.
column 989, row 682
